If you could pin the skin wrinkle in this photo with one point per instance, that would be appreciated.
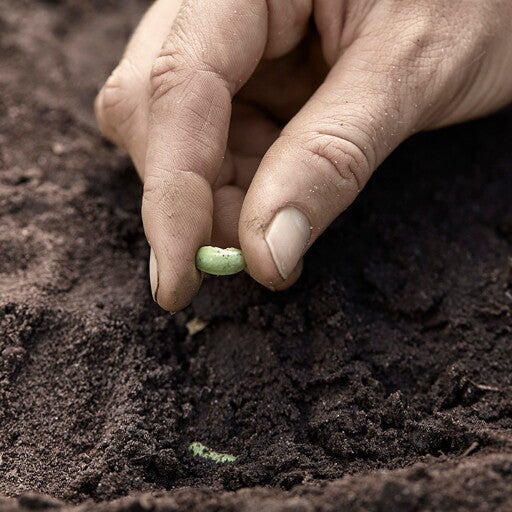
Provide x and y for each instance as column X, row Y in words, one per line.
column 177, row 58
column 164, row 77
column 345, row 128
column 193, row 53
column 331, row 151
column 341, row 166
column 349, row 126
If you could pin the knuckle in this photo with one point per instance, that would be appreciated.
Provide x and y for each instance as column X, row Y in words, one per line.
column 168, row 71
column 174, row 68
column 183, row 61
column 348, row 161
column 119, row 99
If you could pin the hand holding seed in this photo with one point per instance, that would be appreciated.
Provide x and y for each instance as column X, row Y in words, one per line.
column 251, row 129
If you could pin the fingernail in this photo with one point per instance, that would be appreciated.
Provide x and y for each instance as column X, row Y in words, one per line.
column 153, row 274
column 287, row 238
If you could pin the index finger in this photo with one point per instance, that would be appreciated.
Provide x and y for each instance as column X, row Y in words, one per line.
column 211, row 51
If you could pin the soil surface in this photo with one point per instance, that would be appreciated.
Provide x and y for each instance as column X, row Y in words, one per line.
column 382, row 381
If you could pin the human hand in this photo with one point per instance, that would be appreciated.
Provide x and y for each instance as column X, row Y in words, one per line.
column 202, row 92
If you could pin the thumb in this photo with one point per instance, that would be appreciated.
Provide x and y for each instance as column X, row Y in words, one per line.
column 325, row 156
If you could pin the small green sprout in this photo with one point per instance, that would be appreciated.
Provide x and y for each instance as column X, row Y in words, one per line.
column 200, row 450
column 220, row 262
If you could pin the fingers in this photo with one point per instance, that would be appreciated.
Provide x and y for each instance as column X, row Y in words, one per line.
column 121, row 106
column 251, row 134
column 227, row 205
column 170, row 107
column 211, row 51
column 323, row 159
column 288, row 22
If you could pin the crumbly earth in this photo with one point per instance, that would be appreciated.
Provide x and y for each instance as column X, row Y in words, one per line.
column 381, row 381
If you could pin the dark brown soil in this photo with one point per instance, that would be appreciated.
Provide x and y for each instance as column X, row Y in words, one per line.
column 382, row 381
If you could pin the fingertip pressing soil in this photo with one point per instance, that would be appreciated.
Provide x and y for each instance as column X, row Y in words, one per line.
column 381, row 381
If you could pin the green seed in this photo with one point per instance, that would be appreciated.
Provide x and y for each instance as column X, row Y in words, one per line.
column 200, row 450
column 220, row 262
